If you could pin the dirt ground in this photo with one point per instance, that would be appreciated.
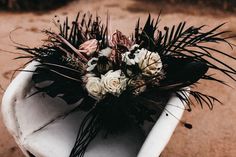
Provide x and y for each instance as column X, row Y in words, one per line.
column 213, row 133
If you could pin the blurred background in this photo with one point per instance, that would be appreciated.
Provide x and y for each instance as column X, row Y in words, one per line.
column 213, row 133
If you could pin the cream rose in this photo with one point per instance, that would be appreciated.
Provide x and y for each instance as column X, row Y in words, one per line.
column 113, row 82
column 95, row 87
column 87, row 76
column 149, row 62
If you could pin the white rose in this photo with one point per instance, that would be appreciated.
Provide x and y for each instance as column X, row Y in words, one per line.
column 87, row 76
column 113, row 82
column 149, row 62
column 95, row 87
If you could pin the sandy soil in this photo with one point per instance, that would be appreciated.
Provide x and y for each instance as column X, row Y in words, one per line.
column 213, row 133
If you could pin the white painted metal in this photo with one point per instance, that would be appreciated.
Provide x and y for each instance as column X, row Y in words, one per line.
column 38, row 125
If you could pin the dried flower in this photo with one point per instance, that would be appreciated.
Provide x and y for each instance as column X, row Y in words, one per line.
column 138, row 85
column 119, row 39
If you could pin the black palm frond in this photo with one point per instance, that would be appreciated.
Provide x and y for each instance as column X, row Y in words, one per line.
column 60, row 61
column 211, row 78
column 190, row 42
column 180, row 48
column 145, row 37
column 85, row 29
column 58, row 84
column 199, row 97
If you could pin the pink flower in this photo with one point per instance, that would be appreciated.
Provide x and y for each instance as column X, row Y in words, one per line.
column 89, row 47
column 119, row 39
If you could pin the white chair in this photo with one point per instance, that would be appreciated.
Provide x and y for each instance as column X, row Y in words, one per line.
column 40, row 129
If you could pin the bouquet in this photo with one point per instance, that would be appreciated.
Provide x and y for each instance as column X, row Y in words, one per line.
column 117, row 78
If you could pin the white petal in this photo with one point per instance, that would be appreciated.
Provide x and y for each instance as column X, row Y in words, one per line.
column 105, row 52
column 90, row 68
column 134, row 46
column 132, row 62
